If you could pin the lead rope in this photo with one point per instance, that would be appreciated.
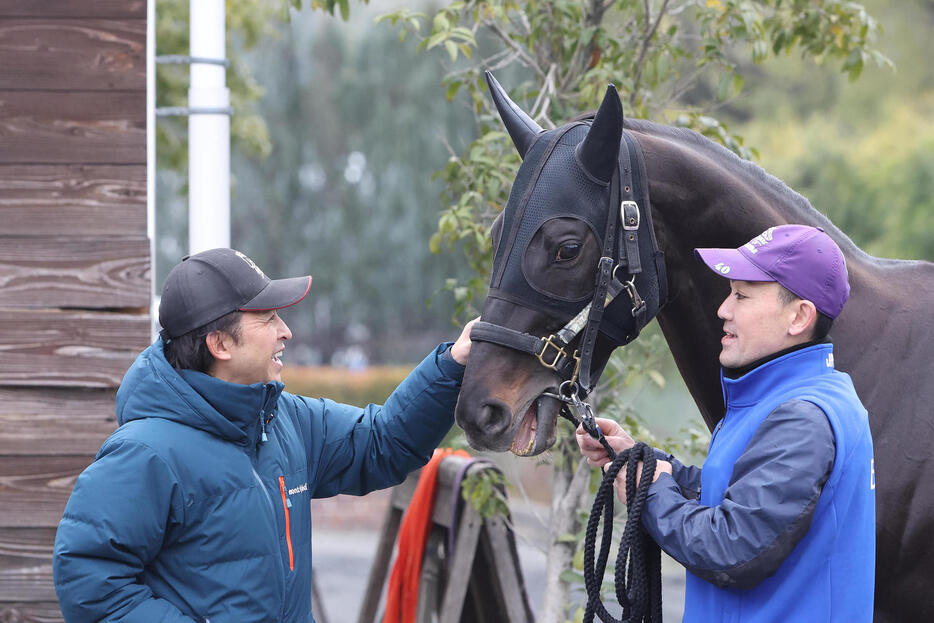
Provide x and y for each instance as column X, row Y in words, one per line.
column 638, row 575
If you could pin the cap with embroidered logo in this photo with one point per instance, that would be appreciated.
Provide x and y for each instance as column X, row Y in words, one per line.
column 205, row 286
column 803, row 259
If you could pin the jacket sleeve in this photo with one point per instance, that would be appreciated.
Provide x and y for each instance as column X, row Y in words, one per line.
column 114, row 525
column 357, row 450
column 767, row 507
column 688, row 477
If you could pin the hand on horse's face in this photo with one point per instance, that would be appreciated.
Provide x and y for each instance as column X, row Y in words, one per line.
column 595, row 454
column 460, row 350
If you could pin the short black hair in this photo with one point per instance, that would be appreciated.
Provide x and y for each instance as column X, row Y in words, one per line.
column 824, row 322
column 190, row 350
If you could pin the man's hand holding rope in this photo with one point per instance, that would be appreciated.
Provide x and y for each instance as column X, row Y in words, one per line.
column 619, row 440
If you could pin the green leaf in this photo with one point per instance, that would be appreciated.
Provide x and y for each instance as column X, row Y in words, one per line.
column 451, row 47
column 723, row 89
column 440, row 23
column 738, row 82
column 853, row 59
column 435, row 39
column 434, row 243
column 578, row 561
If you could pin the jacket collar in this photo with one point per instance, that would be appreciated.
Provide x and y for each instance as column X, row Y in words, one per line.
column 797, row 365
column 246, row 406
column 152, row 388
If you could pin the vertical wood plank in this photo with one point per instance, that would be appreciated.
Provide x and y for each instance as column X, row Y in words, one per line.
column 465, row 551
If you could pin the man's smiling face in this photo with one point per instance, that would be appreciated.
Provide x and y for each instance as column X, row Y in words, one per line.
column 255, row 356
column 755, row 322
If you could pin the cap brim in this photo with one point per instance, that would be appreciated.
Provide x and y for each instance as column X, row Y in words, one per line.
column 732, row 264
column 279, row 293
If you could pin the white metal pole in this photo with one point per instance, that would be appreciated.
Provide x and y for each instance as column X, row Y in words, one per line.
column 151, row 160
column 208, row 132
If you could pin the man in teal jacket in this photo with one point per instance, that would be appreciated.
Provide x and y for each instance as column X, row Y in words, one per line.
column 198, row 507
column 779, row 525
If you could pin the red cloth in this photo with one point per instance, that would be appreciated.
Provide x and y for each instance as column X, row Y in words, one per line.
column 402, row 595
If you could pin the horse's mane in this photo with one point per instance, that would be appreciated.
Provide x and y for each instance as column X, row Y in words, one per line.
column 748, row 170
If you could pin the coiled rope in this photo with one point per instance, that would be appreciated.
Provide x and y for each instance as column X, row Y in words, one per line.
column 638, row 573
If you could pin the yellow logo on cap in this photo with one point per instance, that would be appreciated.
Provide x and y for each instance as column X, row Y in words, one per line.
column 251, row 264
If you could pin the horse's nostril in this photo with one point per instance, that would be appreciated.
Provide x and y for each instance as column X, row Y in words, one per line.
column 494, row 417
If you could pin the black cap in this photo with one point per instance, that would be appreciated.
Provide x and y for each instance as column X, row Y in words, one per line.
column 211, row 284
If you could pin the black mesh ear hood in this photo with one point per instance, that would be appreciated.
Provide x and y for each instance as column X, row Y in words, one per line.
column 550, row 183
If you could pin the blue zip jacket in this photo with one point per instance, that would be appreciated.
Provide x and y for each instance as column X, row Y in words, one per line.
column 784, row 527
column 197, row 508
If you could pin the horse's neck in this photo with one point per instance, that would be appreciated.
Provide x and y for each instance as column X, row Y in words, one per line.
column 700, row 202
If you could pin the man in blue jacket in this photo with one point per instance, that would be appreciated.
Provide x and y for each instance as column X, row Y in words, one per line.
column 198, row 507
column 779, row 525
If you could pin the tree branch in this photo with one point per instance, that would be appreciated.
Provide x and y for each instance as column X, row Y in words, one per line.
column 502, row 34
column 646, row 39
column 544, row 98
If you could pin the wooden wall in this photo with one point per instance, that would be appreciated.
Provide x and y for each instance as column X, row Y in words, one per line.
column 74, row 262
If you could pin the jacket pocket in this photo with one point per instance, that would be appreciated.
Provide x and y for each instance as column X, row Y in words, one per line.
column 286, row 505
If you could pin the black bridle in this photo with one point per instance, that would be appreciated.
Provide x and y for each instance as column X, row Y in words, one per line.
column 624, row 228
column 638, row 566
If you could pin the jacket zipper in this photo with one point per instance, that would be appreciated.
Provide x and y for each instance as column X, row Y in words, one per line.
column 277, row 556
column 286, row 504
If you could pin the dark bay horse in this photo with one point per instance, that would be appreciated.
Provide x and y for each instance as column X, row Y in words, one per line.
column 702, row 195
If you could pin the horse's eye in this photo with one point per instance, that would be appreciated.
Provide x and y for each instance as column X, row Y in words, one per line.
column 568, row 251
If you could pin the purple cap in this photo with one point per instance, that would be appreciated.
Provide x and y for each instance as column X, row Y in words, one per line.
column 803, row 259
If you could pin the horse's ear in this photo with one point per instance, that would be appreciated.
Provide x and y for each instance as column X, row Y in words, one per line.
column 519, row 125
column 599, row 150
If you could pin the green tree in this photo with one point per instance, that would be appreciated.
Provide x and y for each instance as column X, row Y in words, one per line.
column 672, row 61
column 346, row 191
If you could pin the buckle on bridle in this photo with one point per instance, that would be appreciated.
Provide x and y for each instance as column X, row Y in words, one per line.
column 629, row 214
column 560, row 354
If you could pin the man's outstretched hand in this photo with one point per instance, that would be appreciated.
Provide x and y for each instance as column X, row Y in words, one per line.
column 460, row 351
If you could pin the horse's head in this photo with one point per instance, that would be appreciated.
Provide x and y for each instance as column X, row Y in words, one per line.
column 571, row 204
